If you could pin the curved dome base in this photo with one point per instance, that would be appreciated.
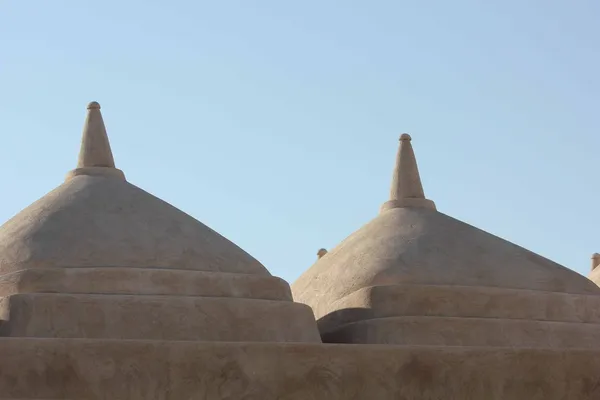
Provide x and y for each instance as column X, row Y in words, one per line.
column 459, row 301
column 49, row 315
column 456, row 331
column 158, row 304
column 439, row 314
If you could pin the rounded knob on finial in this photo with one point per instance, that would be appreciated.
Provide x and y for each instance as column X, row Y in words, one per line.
column 94, row 105
column 405, row 136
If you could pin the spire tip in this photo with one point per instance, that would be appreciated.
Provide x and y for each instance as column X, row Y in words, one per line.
column 93, row 105
column 405, row 136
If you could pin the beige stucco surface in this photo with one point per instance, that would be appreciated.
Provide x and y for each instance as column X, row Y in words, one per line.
column 466, row 301
column 453, row 331
column 148, row 370
column 477, row 305
column 424, row 247
column 97, row 221
column 156, row 317
column 413, row 275
column 594, row 275
column 98, row 257
column 144, row 281
column 420, row 262
column 107, row 292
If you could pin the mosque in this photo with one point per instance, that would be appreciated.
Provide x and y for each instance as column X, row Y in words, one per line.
column 107, row 292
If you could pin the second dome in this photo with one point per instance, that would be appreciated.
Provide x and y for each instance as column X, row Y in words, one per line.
column 416, row 276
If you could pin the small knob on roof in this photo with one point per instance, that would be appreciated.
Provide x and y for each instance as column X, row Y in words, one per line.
column 321, row 252
column 93, row 105
column 405, row 136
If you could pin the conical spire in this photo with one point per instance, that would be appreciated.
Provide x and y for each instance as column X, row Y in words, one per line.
column 95, row 156
column 95, row 148
column 406, row 190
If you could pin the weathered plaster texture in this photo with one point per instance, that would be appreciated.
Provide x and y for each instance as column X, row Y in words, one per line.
column 413, row 275
column 135, row 370
column 107, row 292
column 144, row 281
column 595, row 273
column 462, row 301
column 101, row 258
column 419, row 262
column 452, row 331
column 156, row 317
column 463, row 315
column 424, row 247
column 97, row 221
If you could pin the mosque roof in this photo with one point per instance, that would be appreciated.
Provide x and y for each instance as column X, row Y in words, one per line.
column 96, row 218
column 411, row 244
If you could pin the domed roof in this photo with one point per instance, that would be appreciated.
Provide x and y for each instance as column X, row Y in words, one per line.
column 101, row 258
column 410, row 247
column 98, row 219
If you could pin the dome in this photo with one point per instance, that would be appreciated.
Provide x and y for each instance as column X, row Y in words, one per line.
column 105, row 221
column 414, row 275
column 98, row 219
column 98, row 257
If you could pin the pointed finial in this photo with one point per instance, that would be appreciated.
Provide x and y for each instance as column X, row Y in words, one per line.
column 95, row 149
column 407, row 189
column 321, row 253
column 595, row 260
column 95, row 155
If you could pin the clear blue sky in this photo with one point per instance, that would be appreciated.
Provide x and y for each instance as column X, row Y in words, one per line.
column 276, row 122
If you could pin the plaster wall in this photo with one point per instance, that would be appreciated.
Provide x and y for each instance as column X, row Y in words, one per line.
column 153, row 370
